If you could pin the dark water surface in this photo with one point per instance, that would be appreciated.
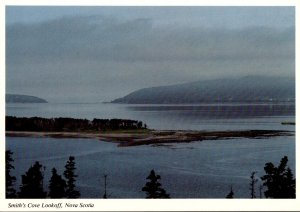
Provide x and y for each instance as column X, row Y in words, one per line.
column 196, row 170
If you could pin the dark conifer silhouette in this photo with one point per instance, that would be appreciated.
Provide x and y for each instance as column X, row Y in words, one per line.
column 70, row 176
column 10, row 180
column 253, row 181
column 153, row 187
column 57, row 186
column 32, row 183
column 279, row 181
column 38, row 124
column 230, row 195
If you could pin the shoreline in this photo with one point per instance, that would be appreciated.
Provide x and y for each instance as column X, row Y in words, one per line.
column 153, row 137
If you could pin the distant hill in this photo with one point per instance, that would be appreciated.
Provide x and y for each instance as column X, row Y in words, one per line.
column 245, row 89
column 17, row 98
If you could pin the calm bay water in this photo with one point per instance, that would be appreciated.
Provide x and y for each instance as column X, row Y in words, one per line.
column 194, row 117
column 195, row 170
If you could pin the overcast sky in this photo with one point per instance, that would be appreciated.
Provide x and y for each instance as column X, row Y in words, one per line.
column 94, row 54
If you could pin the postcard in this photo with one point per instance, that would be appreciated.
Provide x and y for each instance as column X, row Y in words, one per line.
column 148, row 107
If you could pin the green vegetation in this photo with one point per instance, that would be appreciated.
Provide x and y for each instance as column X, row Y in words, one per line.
column 70, row 176
column 288, row 123
column 153, row 187
column 230, row 195
column 32, row 186
column 32, row 183
column 10, row 180
column 125, row 132
column 128, row 131
column 38, row 124
column 57, row 186
column 279, row 181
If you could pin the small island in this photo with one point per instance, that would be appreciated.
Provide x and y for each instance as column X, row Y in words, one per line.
column 124, row 132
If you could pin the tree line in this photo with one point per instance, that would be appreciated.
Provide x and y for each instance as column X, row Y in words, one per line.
column 32, row 186
column 38, row 124
column 278, row 182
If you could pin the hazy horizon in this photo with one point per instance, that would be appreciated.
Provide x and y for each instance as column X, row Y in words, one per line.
column 88, row 54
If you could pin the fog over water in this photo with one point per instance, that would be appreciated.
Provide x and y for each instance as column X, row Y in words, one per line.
column 95, row 54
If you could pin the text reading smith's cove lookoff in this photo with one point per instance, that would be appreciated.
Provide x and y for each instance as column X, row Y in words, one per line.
column 50, row 205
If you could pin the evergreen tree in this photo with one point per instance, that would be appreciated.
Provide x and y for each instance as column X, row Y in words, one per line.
column 32, row 183
column 279, row 181
column 10, row 180
column 70, row 176
column 290, row 184
column 153, row 187
column 230, row 195
column 57, row 186
column 253, row 181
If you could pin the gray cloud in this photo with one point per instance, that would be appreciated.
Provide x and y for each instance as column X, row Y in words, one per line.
column 98, row 38
column 104, row 57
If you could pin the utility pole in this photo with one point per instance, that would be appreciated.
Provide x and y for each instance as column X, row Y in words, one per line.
column 252, row 185
column 105, row 195
column 260, row 191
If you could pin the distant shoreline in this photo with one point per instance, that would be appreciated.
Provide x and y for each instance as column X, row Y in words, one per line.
column 155, row 137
